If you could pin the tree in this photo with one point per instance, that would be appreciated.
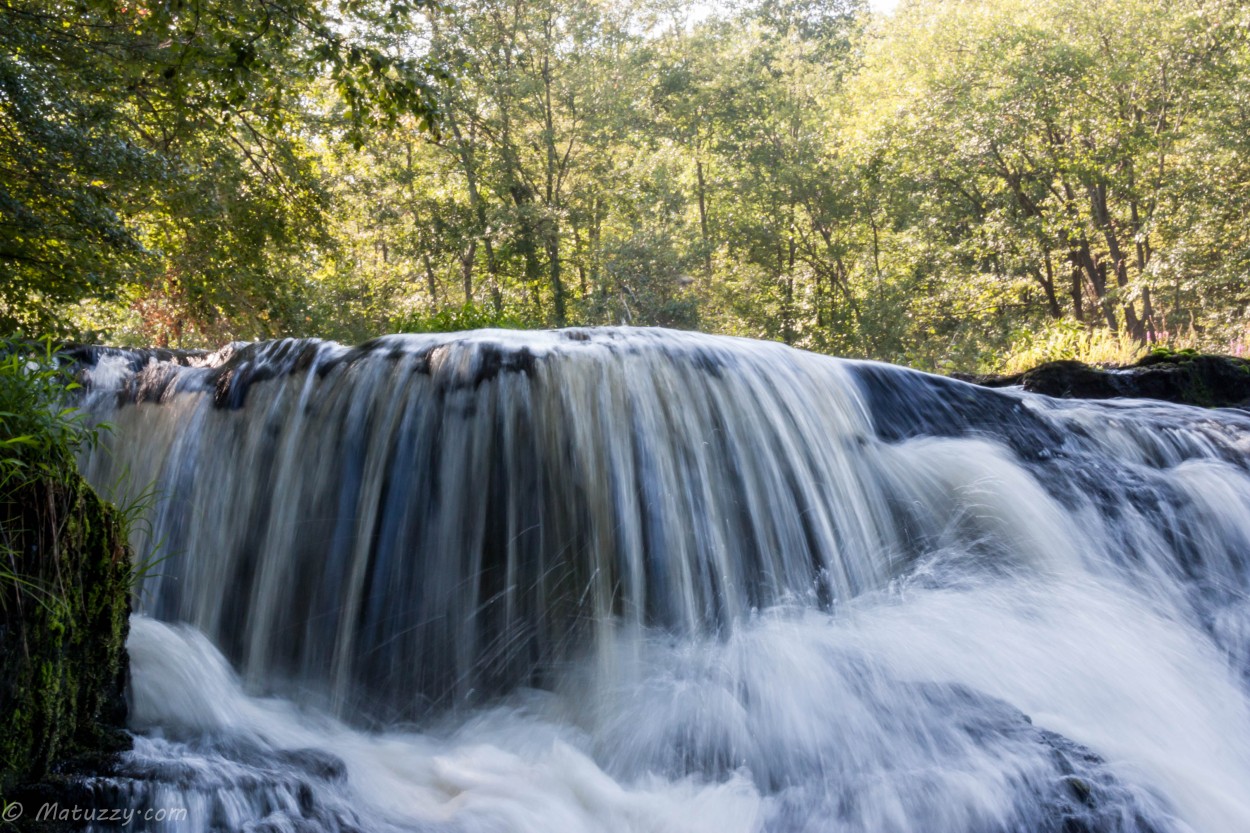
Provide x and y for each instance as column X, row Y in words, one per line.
column 1039, row 143
column 153, row 147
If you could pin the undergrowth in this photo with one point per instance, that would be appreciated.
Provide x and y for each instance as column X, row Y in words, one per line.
column 1072, row 340
column 39, row 435
column 455, row 319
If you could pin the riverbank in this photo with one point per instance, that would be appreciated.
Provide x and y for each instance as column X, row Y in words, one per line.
column 1184, row 377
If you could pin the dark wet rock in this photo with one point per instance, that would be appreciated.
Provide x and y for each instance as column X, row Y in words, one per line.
column 1057, row 785
column 905, row 404
column 227, row 783
column 1064, row 788
column 91, row 354
column 1080, row 793
column 1185, row 377
column 316, row 762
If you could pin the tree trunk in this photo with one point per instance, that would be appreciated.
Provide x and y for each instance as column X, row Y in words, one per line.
column 1048, row 286
column 1102, row 215
column 1078, row 293
column 466, row 271
column 703, row 223
column 557, row 282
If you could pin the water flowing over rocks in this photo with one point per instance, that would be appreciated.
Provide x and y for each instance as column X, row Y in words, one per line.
column 639, row 579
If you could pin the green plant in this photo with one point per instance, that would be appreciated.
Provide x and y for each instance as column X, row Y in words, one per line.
column 39, row 434
column 454, row 319
column 134, row 513
column 1067, row 339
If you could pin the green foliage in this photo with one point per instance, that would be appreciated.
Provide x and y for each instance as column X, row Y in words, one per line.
column 155, row 160
column 1069, row 340
column 1042, row 150
column 454, row 319
column 947, row 186
column 39, row 436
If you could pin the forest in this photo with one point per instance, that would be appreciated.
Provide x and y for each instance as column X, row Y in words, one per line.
column 952, row 185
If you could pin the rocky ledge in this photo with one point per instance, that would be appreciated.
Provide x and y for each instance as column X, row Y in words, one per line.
column 1185, row 377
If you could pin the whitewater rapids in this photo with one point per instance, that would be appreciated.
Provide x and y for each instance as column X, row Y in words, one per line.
column 640, row 580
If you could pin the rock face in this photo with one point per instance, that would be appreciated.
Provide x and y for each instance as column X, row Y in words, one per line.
column 64, row 612
column 1185, row 377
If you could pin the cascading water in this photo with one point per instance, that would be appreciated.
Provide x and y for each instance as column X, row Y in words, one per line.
column 641, row 580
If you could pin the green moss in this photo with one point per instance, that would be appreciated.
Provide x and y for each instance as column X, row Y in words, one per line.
column 64, row 622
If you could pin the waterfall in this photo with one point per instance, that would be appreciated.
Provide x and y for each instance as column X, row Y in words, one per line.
column 646, row 580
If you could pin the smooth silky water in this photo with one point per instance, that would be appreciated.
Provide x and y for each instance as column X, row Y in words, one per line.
column 639, row 580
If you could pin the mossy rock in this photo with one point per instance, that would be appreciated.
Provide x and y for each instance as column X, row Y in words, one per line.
column 64, row 613
column 1184, row 376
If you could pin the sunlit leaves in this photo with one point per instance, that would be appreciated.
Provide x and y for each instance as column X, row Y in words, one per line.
column 160, row 144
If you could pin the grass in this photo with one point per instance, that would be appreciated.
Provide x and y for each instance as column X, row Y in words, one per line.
column 1072, row 340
